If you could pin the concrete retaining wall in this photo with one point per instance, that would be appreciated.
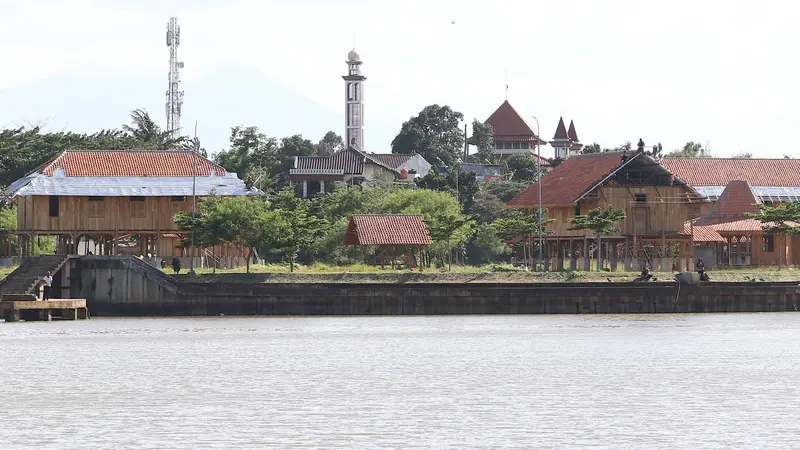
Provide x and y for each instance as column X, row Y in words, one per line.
column 126, row 286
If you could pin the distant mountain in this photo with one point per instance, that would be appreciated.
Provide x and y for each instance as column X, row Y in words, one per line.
column 218, row 101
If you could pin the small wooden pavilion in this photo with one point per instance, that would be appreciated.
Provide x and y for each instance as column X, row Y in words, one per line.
column 389, row 232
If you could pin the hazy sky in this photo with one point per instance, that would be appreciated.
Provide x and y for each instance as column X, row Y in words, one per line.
column 723, row 72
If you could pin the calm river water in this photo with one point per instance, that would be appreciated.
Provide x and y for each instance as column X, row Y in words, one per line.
column 644, row 382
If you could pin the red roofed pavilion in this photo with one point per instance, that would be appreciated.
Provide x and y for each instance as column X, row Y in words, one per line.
column 388, row 231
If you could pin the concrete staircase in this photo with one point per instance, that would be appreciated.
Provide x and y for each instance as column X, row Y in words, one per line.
column 23, row 280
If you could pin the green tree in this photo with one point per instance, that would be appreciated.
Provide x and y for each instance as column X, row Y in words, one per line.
column 505, row 190
column 246, row 222
column 445, row 227
column 329, row 144
column 486, row 245
column 253, row 156
column 483, row 138
column 434, row 133
column 455, row 181
column 434, row 206
column 300, row 229
column 591, row 148
column 601, row 222
column 522, row 167
column 743, row 156
column 690, row 150
column 781, row 218
column 524, row 226
column 145, row 130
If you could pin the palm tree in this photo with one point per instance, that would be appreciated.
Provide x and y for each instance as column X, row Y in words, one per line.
column 145, row 130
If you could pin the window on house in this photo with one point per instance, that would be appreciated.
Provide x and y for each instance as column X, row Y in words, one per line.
column 498, row 145
column 517, row 146
column 54, row 205
column 577, row 209
column 97, row 207
column 138, row 210
column 768, row 243
column 178, row 198
column 640, row 197
column 525, row 145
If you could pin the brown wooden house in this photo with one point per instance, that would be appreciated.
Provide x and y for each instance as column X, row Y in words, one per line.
column 116, row 202
column 657, row 205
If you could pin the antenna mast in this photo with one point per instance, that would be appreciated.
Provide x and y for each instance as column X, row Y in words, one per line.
column 174, row 94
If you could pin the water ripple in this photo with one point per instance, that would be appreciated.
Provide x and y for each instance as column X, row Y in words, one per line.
column 662, row 381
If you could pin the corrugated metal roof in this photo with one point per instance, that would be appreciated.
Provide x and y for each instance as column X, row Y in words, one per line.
column 765, row 193
column 387, row 229
column 40, row 184
column 721, row 171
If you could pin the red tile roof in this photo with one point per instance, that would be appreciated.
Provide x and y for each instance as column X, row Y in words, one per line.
column 387, row 229
column 735, row 202
column 561, row 130
column 720, row 171
column 569, row 180
column 702, row 233
column 573, row 135
column 508, row 125
column 130, row 163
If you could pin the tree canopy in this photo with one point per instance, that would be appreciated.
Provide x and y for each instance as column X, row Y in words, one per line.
column 434, row 133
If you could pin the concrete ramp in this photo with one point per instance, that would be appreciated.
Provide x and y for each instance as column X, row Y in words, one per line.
column 121, row 285
column 24, row 279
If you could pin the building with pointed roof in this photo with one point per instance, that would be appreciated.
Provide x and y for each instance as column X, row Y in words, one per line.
column 513, row 134
column 657, row 205
column 565, row 142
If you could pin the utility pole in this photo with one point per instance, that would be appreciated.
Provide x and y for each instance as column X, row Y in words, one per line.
column 195, row 155
column 539, row 184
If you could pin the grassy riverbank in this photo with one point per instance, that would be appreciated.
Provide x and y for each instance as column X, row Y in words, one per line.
column 322, row 273
column 278, row 273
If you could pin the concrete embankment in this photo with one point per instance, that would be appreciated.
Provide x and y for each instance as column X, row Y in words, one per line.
column 126, row 286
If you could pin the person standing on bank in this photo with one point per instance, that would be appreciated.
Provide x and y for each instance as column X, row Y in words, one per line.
column 701, row 268
column 47, row 281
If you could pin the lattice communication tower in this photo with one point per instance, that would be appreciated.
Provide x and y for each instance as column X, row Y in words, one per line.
column 174, row 94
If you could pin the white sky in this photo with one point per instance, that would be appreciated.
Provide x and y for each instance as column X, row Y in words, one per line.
column 673, row 71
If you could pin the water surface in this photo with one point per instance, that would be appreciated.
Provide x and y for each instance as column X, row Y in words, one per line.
column 660, row 381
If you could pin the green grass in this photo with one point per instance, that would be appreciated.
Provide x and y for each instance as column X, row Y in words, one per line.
column 324, row 273
column 4, row 271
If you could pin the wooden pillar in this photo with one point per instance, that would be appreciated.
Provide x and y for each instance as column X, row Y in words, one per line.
column 573, row 259
column 627, row 255
column 559, row 255
column 614, row 256
column 586, row 260
column 599, row 245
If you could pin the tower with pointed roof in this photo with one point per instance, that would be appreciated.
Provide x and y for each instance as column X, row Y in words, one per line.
column 512, row 133
column 575, row 144
column 560, row 140
column 565, row 141
column 354, row 102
